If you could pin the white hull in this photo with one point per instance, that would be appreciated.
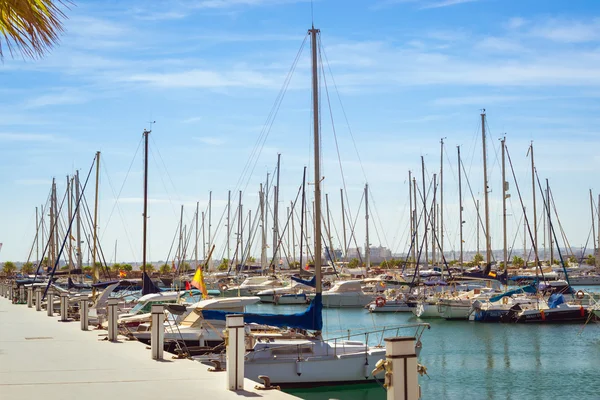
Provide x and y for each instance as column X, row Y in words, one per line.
column 291, row 299
column 325, row 370
column 390, row 306
column 426, row 310
column 454, row 309
column 346, row 300
column 584, row 280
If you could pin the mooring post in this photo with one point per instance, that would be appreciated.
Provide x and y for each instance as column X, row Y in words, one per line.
column 403, row 383
column 30, row 297
column 235, row 352
column 157, row 335
column 83, row 314
column 3, row 289
column 50, row 303
column 64, row 307
column 21, row 294
column 38, row 299
column 10, row 293
column 113, row 329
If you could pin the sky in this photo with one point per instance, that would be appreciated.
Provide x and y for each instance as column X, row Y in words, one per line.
column 396, row 77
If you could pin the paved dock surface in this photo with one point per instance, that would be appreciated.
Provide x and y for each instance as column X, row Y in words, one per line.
column 42, row 358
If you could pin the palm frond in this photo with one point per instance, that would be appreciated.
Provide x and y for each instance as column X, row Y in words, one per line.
column 31, row 27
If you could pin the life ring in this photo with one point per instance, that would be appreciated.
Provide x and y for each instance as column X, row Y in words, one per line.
column 380, row 301
column 580, row 295
column 505, row 300
column 223, row 287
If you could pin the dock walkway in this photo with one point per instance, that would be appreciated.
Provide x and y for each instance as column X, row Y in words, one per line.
column 42, row 358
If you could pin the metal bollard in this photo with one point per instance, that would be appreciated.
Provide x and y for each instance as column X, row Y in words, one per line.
column 21, row 295
column 29, row 297
column 2, row 290
column 235, row 352
column 38, row 299
column 404, row 384
column 50, row 303
column 10, row 293
column 64, row 307
column 113, row 329
column 83, row 314
column 157, row 335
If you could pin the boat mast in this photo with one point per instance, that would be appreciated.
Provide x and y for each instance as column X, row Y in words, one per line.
column 196, row 223
column 345, row 247
column 504, row 197
column 535, row 225
column 317, row 148
column 410, row 217
column 181, row 234
column 433, row 221
column 96, row 274
column 228, row 225
column 145, row 215
column 293, row 232
column 551, row 241
column 209, row 220
column 441, row 224
column 70, row 212
column 425, row 213
column 488, row 250
column 78, row 247
column 263, row 246
column 203, row 236
column 329, row 235
column 367, row 244
column 52, row 257
column 240, row 233
column 593, row 222
column 302, row 217
column 276, row 213
column 597, row 255
column 416, row 243
column 460, row 209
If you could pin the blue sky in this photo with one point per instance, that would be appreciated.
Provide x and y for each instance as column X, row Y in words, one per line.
column 408, row 72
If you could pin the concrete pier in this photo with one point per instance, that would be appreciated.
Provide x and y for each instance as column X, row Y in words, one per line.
column 40, row 358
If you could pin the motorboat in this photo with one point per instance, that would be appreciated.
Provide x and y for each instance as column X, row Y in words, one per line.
column 346, row 294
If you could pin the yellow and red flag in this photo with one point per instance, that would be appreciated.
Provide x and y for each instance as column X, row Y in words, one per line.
column 198, row 282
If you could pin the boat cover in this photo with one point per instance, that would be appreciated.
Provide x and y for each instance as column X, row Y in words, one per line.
column 555, row 300
column 309, row 319
column 312, row 282
column 524, row 289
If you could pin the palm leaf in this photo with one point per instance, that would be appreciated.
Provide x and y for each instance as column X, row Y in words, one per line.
column 31, row 27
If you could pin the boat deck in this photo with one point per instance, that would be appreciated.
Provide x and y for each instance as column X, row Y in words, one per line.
column 41, row 357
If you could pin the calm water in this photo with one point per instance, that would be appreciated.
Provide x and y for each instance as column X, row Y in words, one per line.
column 468, row 360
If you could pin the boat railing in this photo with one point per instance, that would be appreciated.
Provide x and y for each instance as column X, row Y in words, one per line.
column 378, row 335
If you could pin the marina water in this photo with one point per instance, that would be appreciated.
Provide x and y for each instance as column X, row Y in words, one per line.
column 471, row 360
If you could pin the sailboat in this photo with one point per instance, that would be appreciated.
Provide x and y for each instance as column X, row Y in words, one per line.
column 295, row 356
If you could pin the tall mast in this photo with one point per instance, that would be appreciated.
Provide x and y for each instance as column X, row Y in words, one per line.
column 593, row 222
column 441, row 224
column 460, row 209
column 70, row 212
column 535, row 225
column 181, row 235
column 263, row 236
column 43, row 228
column 289, row 232
column 78, row 247
column 550, row 241
column 240, row 230
column 302, row 217
column 525, row 254
column 293, row 232
column 433, row 221
column 203, row 236
column 317, row 148
column 329, row 235
column 488, row 249
column 425, row 213
column 478, row 225
column 410, row 218
column 228, row 225
column 504, row 197
column 144, row 234
column 597, row 255
column 197, row 234
column 96, row 274
column 345, row 247
column 367, row 244
column 209, row 218
column 52, row 257
column 414, row 182
column 276, row 212
column 37, row 232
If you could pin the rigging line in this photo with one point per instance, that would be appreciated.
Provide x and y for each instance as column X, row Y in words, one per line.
column 39, row 224
column 353, row 225
column 54, row 224
column 124, row 181
column 157, row 148
column 479, row 220
column 476, row 135
column 562, row 231
column 88, row 213
column 551, row 225
column 116, row 205
column 164, row 185
column 266, row 130
column 533, row 244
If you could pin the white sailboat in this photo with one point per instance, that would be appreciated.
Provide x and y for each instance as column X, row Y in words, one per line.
column 293, row 357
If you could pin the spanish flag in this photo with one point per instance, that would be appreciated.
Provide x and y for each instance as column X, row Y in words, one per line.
column 492, row 274
column 198, row 282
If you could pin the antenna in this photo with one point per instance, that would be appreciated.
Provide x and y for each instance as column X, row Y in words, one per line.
column 151, row 124
column 312, row 14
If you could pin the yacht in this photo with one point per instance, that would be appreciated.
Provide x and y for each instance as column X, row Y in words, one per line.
column 346, row 294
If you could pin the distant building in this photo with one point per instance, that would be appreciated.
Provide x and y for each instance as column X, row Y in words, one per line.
column 378, row 254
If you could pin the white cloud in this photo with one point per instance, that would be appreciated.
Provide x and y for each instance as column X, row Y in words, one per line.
column 446, row 3
column 210, row 140
column 58, row 98
column 191, row 120
column 197, row 78
column 568, row 31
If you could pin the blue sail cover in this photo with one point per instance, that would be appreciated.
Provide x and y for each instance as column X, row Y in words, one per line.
column 73, row 285
column 309, row 319
column 555, row 300
column 524, row 289
column 312, row 283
